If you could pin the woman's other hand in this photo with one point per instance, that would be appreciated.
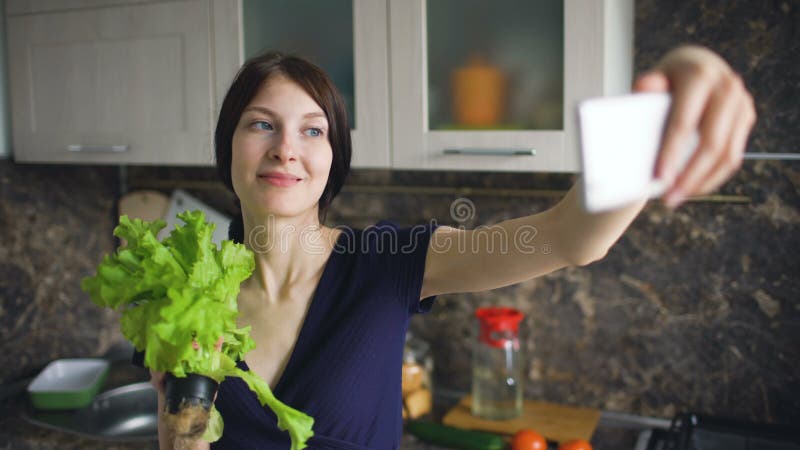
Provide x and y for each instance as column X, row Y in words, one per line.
column 157, row 380
column 710, row 97
column 165, row 439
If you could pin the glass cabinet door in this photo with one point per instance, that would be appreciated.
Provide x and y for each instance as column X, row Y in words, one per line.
column 492, row 85
column 346, row 38
column 321, row 32
column 495, row 65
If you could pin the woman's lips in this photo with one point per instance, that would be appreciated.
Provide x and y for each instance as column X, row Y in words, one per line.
column 279, row 179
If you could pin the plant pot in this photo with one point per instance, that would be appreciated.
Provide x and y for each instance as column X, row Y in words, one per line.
column 191, row 390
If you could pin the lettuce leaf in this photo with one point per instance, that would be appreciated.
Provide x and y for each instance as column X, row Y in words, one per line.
column 295, row 422
column 178, row 304
column 215, row 426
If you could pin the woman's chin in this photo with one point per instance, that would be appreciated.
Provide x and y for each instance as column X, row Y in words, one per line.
column 276, row 213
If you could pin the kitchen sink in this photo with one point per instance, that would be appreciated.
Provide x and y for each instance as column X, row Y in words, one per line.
column 126, row 413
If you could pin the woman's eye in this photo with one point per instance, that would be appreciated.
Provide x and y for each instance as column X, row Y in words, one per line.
column 261, row 125
column 314, row 132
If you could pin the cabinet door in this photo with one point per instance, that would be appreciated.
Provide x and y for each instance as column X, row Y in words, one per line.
column 492, row 86
column 123, row 84
column 346, row 38
column 14, row 7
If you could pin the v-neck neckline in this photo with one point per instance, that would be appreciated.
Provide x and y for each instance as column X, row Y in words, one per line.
column 326, row 274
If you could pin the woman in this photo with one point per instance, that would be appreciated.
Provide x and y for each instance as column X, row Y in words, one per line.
column 329, row 308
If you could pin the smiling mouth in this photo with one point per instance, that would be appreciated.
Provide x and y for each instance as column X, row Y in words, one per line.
column 280, row 180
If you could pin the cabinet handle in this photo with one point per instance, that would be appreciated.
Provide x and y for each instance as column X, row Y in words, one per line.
column 490, row 151
column 773, row 156
column 98, row 148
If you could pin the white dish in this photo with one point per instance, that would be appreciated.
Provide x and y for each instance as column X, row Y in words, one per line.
column 69, row 375
column 68, row 383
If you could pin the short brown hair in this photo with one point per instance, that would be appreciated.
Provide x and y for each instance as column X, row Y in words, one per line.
column 317, row 85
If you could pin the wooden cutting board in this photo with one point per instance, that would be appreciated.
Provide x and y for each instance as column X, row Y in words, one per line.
column 555, row 422
column 145, row 205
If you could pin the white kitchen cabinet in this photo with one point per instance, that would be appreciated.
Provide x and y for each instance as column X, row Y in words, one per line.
column 492, row 86
column 347, row 38
column 16, row 7
column 554, row 53
column 141, row 81
column 121, row 84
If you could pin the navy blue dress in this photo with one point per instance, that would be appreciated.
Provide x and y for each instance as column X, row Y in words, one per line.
column 345, row 367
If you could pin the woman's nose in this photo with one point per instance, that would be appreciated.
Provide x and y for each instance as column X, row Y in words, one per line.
column 284, row 150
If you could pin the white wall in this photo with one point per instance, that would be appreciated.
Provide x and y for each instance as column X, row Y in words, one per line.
column 5, row 128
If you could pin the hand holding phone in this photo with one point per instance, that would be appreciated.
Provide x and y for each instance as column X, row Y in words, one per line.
column 619, row 139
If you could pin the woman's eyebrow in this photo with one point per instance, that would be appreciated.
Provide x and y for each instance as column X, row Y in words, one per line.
column 261, row 109
column 315, row 114
column 265, row 110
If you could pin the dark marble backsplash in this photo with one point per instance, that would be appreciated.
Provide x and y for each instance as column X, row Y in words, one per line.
column 694, row 309
column 54, row 229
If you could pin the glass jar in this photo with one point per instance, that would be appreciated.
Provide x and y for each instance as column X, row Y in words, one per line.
column 416, row 380
column 497, row 364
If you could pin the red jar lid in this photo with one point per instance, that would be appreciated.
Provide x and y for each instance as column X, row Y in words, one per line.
column 496, row 319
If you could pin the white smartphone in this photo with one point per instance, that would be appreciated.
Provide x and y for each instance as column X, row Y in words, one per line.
column 619, row 140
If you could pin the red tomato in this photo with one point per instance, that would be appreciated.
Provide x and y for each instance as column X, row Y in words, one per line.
column 528, row 440
column 578, row 444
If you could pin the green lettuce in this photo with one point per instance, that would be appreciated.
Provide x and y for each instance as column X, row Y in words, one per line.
column 177, row 299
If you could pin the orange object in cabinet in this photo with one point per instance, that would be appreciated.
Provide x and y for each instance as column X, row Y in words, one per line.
column 479, row 91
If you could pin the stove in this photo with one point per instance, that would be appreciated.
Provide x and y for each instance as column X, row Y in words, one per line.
column 695, row 432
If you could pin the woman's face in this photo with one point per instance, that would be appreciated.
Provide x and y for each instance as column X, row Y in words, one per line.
column 281, row 153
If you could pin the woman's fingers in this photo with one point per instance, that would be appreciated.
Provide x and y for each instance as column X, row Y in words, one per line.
column 692, row 88
column 716, row 127
column 157, row 380
column 653, row 81
column 732, row 160
column 708, row 97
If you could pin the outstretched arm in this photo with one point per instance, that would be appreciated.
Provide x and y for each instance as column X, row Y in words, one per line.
column 707, row 96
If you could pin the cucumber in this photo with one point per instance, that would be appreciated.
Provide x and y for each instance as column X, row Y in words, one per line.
column 455, row 438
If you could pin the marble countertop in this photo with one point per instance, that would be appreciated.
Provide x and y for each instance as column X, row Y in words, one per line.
column 17, row 432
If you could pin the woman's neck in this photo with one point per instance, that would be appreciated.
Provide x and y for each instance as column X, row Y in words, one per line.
column 289, row 252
